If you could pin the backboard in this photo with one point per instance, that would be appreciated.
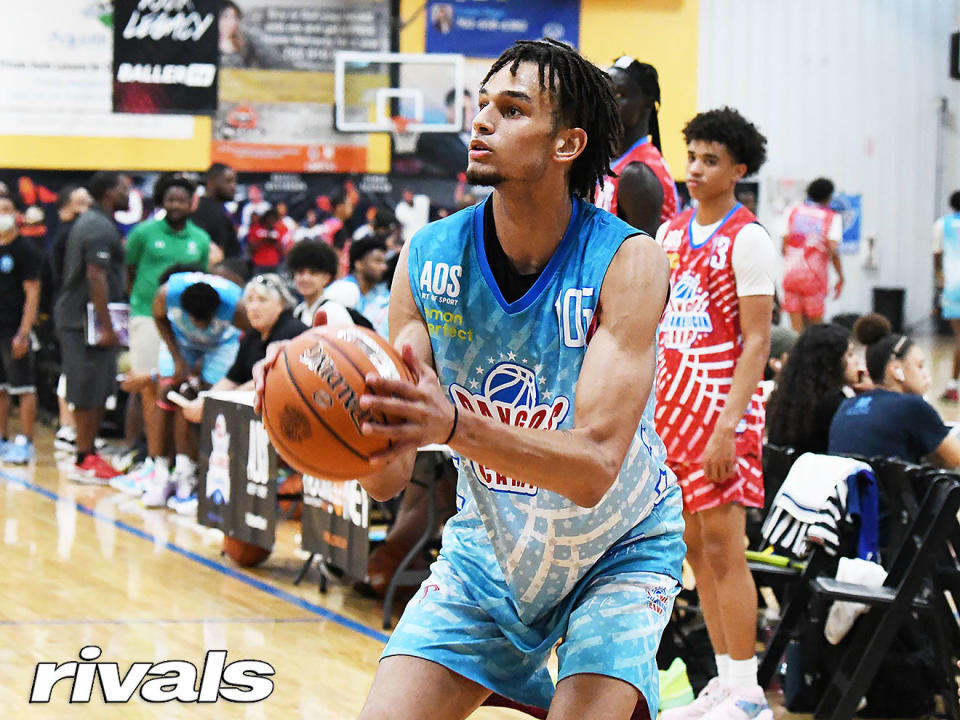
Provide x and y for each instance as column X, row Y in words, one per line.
column 372, row 89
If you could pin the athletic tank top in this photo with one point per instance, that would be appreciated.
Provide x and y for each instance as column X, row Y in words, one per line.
column 221, row 328
column 519, row 362
column 807, row 250
column 642, row 151
column 700, row 341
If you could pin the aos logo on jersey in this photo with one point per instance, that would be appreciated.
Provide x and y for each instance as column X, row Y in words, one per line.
column 440, row 282
column 510, row 394
column 671, row 246
column 687, row 314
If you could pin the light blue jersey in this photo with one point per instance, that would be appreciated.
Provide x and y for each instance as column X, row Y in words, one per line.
column 950, row 300
column 520, row 362
column 221, row 329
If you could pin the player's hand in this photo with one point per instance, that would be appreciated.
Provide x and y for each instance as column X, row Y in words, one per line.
column 420, row 413
column 838, row 288
column 720, row 455
column 19, row 345
column 194, row 411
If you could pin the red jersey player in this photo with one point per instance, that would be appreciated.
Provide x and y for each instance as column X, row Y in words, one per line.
column 811, row 233
column 714, row 342
column 642, row 192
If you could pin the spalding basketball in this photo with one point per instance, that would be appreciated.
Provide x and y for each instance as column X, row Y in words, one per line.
column 243, row 553
column 311, row 400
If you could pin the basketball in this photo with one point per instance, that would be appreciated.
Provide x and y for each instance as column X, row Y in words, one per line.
column 311, row 399
column 243, row 553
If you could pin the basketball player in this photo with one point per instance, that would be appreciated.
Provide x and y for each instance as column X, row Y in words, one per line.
column 714, row 343
column 642, row 192
column 811, row 234
column 538, row 311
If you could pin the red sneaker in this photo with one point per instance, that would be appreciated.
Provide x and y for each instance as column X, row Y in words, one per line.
column 93, row 470
column 950, row 395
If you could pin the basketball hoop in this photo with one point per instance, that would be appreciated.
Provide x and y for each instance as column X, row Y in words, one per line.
column 404, row 141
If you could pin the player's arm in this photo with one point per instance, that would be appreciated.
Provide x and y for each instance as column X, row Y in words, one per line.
column 615, row 381
column 720, row 455
column 838, row 267
column 640, row 197
column 165, row 329
column 407, row 328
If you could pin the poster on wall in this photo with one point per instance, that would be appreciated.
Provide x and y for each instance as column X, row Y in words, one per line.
column 165, row 56
column 850, row 208
column 56, row 73
column 276, row 82
column 480, row 28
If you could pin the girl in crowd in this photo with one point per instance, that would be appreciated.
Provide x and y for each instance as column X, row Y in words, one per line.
column 822, row 370
column 893, row 419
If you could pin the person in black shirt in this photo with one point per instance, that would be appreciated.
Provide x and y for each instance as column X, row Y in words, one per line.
column 221, row 185
column 819, row 373
column 19, row 299
column 893, row 419
column 72, row 200
column 269, row 305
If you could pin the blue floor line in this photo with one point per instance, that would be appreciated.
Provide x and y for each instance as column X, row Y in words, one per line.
column 211, row 564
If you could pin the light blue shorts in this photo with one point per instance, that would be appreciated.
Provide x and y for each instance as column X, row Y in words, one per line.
column 216, row 360
column 609, row 624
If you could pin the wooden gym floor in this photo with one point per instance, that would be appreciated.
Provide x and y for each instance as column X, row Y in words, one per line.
column 86, row 565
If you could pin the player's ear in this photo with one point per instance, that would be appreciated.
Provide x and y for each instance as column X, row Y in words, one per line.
column 741, row 170
column 569, row 144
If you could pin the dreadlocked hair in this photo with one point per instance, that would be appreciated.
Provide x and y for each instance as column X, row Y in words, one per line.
column 583, row 97
column 726, row 126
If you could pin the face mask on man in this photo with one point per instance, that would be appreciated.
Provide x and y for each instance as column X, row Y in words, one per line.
column 7, row 223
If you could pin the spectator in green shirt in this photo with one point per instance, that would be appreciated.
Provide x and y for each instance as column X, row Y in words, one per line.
column 152, row 247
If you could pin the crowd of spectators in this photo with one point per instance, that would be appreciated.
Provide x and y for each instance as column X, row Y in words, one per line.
column 186, row 299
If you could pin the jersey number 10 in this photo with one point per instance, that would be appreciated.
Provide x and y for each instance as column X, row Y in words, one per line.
column 572, row 317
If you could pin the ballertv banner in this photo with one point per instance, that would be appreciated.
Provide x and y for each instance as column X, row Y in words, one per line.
column 165, row 55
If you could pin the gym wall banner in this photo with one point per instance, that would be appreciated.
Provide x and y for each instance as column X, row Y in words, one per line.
column 480, row 28
column 276, row 82
column 165, row 55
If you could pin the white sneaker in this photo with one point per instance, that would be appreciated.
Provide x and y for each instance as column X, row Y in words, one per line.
column 184, row 500
column 158, row 486
column 134, row 482
column 709, row 698
column 65, row 439
column 741, row 704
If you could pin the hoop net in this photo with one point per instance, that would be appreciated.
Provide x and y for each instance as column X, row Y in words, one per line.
column 404, row 141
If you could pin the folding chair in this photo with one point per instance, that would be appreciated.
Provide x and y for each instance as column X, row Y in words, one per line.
column 910, row 585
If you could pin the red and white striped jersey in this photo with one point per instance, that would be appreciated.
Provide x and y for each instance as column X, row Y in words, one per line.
column 642, row 151
column 700, row 341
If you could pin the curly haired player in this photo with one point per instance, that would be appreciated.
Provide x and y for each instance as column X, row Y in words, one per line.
column 713, row 345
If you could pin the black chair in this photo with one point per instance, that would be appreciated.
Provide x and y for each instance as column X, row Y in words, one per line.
column 910, row 585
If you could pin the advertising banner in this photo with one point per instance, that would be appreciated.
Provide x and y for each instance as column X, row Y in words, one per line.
column 165, row 55
column 336, row 524
column 488, row 27
column 276, row 82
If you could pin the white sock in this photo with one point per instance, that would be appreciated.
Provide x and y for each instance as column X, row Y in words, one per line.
column 952, row 384
column 742, row 674
column 723, row 668
column 185, row 464
column 162, row 463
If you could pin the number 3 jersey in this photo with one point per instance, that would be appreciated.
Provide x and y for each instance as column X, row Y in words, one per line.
column 518, row 363
column 700, row 340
